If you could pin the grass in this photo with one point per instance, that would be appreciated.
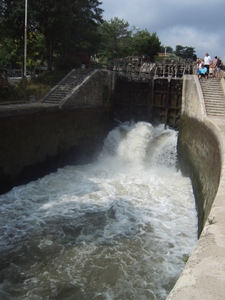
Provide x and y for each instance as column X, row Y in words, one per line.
column 37, row 86
column 185, row 258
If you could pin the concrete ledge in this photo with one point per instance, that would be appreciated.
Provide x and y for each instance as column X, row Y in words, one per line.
column 202, row 141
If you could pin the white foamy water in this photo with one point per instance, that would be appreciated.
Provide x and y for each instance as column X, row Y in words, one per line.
column 116, row 229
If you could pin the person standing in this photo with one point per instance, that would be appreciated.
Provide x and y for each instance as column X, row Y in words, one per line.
column 215, row 62
column 207, row 60
column 211, row 69
column 218, row 67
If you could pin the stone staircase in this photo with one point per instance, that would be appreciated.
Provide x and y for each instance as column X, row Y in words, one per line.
column 65, row 86
column 213, row 96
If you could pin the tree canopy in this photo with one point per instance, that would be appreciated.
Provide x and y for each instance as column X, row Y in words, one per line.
column 115, row 37
column 69, row 29
column 117, row 40
column 145, row 43
column 65, row 26
column 185, row 52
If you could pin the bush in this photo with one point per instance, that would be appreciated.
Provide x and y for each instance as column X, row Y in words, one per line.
column 37, row 86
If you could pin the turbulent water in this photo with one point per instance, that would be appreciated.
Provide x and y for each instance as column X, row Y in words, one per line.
column 116, row 229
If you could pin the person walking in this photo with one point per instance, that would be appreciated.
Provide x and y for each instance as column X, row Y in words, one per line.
column 207, row 60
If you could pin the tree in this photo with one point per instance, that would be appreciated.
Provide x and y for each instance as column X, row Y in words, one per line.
column 8, row 52
column 115, row 38
column 63, row 25
column 144, row 43
column 53, row 20
column 87, row 16
column 185, row 52
column 12, row 31
column 67, row 26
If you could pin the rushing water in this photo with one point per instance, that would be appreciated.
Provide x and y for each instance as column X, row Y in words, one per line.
column 115, row 229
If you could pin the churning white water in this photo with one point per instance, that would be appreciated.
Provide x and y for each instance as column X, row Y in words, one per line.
column 116, row 229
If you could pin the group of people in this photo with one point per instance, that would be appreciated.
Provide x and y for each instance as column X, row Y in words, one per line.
column 208, row 67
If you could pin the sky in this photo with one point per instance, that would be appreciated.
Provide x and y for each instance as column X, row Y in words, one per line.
column 194, row 23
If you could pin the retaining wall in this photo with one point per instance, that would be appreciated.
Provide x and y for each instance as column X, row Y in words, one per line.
column 38, row 138
column 201, row 155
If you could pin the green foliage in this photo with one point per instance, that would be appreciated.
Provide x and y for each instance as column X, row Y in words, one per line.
column 50, row 78
column 185, row 258
column 115, row 38
column 145, row 43
column 84, row 31
column 59, row 29
column 185, row 52
column 37, row 86
column 12, row 31
column 54, row 28
column 117, row 41
column 140, row 42
column 8, row 52
column 53, row 20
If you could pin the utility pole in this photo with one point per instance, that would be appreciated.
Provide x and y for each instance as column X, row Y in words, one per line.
column 25, row 53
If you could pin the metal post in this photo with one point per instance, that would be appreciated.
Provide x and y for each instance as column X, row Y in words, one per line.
column 25, row 52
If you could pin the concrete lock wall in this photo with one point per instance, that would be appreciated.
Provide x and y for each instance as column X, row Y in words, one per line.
column 201, row 154
column 38, row 138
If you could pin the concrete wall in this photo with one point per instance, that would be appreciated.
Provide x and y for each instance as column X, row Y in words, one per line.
column 201, row 153
column 95, row 90
column 38, row 138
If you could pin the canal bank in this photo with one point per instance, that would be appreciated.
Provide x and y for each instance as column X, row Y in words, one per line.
column 201, row 153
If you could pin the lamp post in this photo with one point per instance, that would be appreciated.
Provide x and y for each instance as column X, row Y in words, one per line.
column 25, row 52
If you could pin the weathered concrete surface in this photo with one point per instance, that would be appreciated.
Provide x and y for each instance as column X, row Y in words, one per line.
column 95, row 90
column 38, row 138
column 201, row 140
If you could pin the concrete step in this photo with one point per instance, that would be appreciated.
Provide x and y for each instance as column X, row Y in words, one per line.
column 215, row 100
column 216, row 113
column 65, row 86
column 216, row 109
column 213, row 96
column 214, row 103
